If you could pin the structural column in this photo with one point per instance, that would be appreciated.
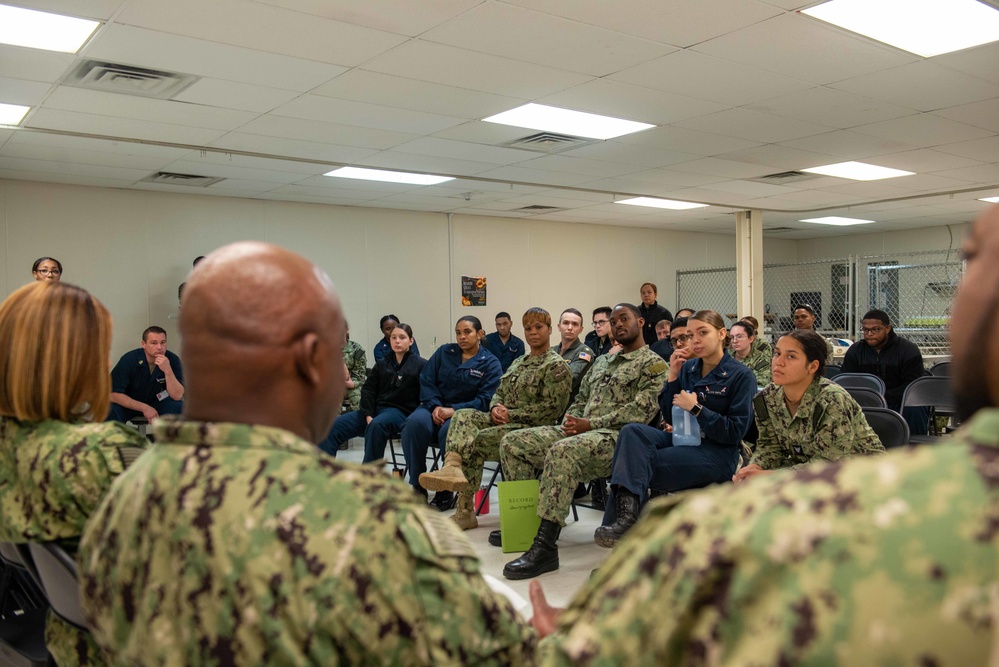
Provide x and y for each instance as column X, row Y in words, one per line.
column 749, row 263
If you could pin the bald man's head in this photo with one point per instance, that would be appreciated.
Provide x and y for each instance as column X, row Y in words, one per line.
column 974, row 319
column 262, row 335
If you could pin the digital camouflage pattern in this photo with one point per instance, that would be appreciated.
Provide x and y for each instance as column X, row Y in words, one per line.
column 251, row 547
column 356, row 361
column 763, row 345
column 758, row 362
column 52, row 477
column 887, row 560
column 535, row 391
column 580, row 358
column 828, row 425
column 619, row 389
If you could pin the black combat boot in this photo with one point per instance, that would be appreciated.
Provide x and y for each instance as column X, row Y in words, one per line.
column 598, row 494
column 626, row 504
column 540, row 558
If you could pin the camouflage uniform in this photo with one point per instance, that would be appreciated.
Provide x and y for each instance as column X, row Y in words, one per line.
column 763, row 346
column 827, row 426
column 254, row 548
column 620, row 389
column 52, row 477
column 580, row 358
column 535, row 392
column 354, row 358
column 887, row 560
column 758, row 362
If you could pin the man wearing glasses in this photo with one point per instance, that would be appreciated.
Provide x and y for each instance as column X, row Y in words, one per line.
column 600, row 340
column 892, row 358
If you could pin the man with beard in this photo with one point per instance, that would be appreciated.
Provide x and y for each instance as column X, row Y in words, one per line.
column 875, row 561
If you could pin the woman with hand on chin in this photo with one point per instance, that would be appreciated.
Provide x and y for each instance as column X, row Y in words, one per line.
column 458, row 375
column 718, row 391
column 802, row 416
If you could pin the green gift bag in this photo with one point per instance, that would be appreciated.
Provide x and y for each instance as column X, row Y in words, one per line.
column 519, row 520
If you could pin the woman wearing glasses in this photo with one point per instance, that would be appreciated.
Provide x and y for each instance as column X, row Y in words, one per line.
column 745, row 351
column 47, row 268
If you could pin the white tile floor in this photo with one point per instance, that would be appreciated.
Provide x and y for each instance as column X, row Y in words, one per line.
column 578, row 554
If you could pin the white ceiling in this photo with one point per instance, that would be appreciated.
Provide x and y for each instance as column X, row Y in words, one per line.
column 738, row 89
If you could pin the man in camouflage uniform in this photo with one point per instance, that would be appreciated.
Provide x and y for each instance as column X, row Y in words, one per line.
column 533, row 392
column 619, row 389
column 356, row 362
column 251, row 546
column 889, row 560
column 573, row 350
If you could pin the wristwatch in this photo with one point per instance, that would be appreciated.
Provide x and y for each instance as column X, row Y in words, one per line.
column 696, row 410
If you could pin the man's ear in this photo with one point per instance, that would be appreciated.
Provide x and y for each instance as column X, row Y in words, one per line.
column 307, row 351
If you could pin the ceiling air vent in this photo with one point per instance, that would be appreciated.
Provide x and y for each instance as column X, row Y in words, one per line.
column 549, row 142
column 536, row 209
column 128, row 80
column 779, row 229
column 190, row 180
column 786, row 177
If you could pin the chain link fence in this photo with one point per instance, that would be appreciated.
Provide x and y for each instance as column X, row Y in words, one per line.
column 714, row 289
column 823, row 284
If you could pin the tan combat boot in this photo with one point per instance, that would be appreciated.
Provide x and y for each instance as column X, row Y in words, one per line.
column 448, row 478
column 464, row 516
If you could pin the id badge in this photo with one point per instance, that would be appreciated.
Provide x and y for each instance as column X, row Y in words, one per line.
column 163, row 394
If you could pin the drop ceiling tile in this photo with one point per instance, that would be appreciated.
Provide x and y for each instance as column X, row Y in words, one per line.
column 924, row 182
column 72, row 121
column 104, row 159
column 707, row 78
column 678, row 22
column 479, row 71
column 682, row 140
column 576, row 165
column 978, row 61
column 232, row 172
column 830, row 107
column 33, row 64
column 86, row 9
column 403, row 17
column 754, row 126
column 74, row 179
column 235, row 95
column 534, row 176
column 980, row 114
column 490, row 134
column 673, row 178
column 804, row 48
column 727, row 168
column 923, row 130
column 705, row 196
column 640, row 156
column 523, row 34
column 59, row 167
column 983, row 150
column 361, row 114
column 464, row 151
column 42, row 138
column 789, row 4
column 589, row 198
column 328, row 192
column 622, row 100
column 330, row 133
column 242, row 186
column 158, row 50
column 403, row 93
column 145, row 109
column 263, row 28
column 813, row 197
column 379, row 188
column 293, row 166
column 987, row 174
column 869, row 189
column 6, row 134
column 847, row 144
column 925, row 160
column 780, row 157
column 425, row 163
column 22, row 91
column 923, row 85
column 750, row 188
column 498, row 188
column 294, row 148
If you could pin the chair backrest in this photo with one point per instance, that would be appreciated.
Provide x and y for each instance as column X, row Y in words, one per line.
column 929, row 391
column 862, row 380
column 57, row 571
column 832, row 370
column 941, row 369
column 890, row 426
column 10, row 555
column 867, row 398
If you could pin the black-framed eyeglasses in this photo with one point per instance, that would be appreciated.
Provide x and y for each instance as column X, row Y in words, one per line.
column 48, row 272
column 874, row 331
column 599, row 323
column 682, row 338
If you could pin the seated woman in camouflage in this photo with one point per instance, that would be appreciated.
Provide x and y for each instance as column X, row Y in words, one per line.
column 802, row 416
column 55, row 465
column 744, row 350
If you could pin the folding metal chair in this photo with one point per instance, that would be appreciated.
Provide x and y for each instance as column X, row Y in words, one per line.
column 934, row 393
column 867, row 398
column 891, row 427
column 861, row 380
column 832, row 370
column 940, row 369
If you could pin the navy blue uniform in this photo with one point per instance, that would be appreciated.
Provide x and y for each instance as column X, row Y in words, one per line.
column 505, row 352
column 384, row 348
column 653, row 315
column 447, row 382
column 646, row 458
column 600, row 346
column 131, row 377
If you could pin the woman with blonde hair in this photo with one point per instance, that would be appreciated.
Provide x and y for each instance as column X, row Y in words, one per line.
column 57, row 458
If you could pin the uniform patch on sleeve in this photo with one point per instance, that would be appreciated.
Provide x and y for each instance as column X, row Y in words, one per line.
column 445, row 538
column 561, row 370
column 585, row 357
column 658, row 367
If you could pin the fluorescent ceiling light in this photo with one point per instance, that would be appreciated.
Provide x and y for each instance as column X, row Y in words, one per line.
column 41, row 30
column 660, row 203
column 11, row 114
column 858, row 171
column 924, row 27
column 991, row 200
column 564, row 121
column 838, row 222
column 387, row 176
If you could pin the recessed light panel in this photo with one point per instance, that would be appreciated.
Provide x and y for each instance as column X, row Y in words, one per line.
column 655, row 202
column 41, row 30
column 387, row 176
column 565, row 121
column 858, row 171
column 924, row 27
column 837, row 221
column 991, row 200
column 11, row 114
